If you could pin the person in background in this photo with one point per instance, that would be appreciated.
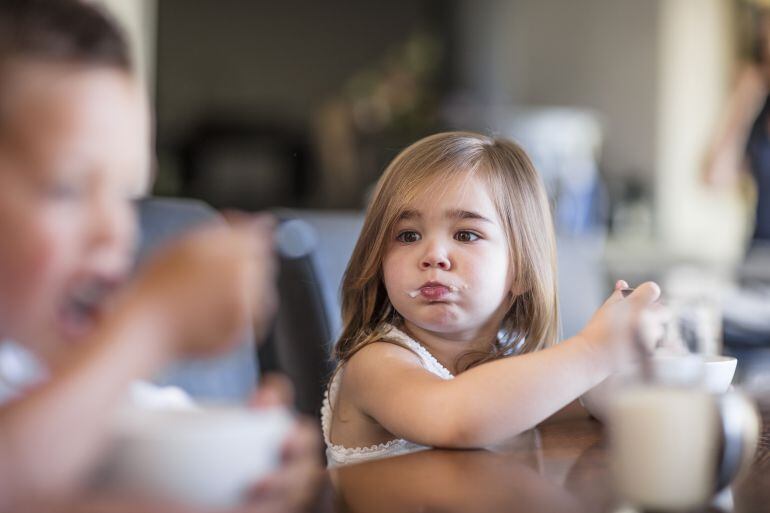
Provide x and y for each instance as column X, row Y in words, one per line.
column 742, row 139
column 74, row 151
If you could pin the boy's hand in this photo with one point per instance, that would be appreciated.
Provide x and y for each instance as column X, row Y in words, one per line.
column 202, row 291
column 296, row 483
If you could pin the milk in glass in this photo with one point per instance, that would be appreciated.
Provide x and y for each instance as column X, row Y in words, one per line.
column 663, row 439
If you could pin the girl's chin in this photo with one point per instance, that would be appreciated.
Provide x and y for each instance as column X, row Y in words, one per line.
column 453, row 327
column 441, row 325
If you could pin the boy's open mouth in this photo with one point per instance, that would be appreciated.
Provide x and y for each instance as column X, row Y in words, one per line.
column 83, row 307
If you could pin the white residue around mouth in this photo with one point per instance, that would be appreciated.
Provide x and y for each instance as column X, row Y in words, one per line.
column 414, row 293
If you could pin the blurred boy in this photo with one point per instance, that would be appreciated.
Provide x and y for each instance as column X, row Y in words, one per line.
column 74, row 151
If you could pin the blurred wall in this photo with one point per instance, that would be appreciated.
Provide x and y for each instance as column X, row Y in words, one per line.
column 214, row 55
column 656, row 71
column 599, row 54
column 697, row 58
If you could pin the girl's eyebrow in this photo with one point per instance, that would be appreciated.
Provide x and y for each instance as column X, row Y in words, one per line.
column 466, row 214
column 409, row 214
column 449, row 214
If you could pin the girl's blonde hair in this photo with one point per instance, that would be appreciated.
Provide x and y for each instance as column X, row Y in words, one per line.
column 522, row 205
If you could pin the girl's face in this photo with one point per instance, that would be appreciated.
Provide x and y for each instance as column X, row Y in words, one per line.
column 447, row 268
column 74, row 146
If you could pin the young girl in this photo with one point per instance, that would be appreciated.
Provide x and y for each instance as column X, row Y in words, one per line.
column 450, row 308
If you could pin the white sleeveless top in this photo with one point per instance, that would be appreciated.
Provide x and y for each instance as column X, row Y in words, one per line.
column 337, row 455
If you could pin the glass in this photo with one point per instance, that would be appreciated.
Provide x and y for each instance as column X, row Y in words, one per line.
column 672, row 425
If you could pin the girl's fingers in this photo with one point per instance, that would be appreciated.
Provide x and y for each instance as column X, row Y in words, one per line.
column 645, row 294
column 616, row 295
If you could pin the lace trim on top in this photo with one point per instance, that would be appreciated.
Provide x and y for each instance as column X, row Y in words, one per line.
column 338, row 455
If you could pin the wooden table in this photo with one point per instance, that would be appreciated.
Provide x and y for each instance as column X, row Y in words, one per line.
column 556, row 468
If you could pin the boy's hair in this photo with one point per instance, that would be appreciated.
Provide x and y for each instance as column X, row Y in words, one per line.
column 61, row 32
column 522, row 205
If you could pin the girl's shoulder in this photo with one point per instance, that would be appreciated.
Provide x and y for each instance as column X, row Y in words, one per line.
column 370, row 371
column 384, row 352
column 394, row 352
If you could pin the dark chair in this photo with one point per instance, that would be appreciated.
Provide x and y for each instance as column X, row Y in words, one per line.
column 231, row 377
column 308, row 320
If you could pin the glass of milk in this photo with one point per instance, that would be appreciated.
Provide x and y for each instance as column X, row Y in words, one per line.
column 663, row 446
column 673, row 443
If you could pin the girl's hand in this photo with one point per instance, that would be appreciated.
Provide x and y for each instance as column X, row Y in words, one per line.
column 621, row 325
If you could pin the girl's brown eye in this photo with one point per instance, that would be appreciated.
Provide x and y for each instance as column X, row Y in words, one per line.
column 408, row 236
column 466, row 236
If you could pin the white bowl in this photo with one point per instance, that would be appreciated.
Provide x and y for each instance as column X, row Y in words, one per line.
column 207, row 457
column 717, row 375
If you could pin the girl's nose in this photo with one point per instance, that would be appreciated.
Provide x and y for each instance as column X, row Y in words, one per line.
column 436, row 257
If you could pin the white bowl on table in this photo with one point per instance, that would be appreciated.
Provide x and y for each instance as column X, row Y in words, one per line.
column 717, row 375
column 207, row 457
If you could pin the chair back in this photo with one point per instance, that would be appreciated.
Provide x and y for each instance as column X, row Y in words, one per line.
column 308, row 320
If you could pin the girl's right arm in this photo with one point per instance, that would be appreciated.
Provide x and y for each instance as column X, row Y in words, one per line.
column 497, row 400
column 194, row 298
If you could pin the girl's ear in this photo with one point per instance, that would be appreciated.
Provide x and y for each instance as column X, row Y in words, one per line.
column 518, row 288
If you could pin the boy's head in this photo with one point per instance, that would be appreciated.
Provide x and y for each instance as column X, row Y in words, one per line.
column 74, row 150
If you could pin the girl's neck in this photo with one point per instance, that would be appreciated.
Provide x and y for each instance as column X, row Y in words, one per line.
column 448, row 347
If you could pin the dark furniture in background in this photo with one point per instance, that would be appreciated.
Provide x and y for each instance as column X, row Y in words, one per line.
column 244, row 166
column 308, row 321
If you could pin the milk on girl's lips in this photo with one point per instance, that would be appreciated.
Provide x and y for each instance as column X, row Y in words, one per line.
column 433, row 291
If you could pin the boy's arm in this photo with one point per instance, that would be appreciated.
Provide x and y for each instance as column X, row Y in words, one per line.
column 193, row 298
column 50, row 437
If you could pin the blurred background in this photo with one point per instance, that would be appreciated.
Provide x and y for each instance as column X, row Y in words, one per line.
column 301, row 104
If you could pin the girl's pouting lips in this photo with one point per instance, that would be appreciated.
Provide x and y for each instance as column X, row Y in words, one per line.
column 433, row 291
